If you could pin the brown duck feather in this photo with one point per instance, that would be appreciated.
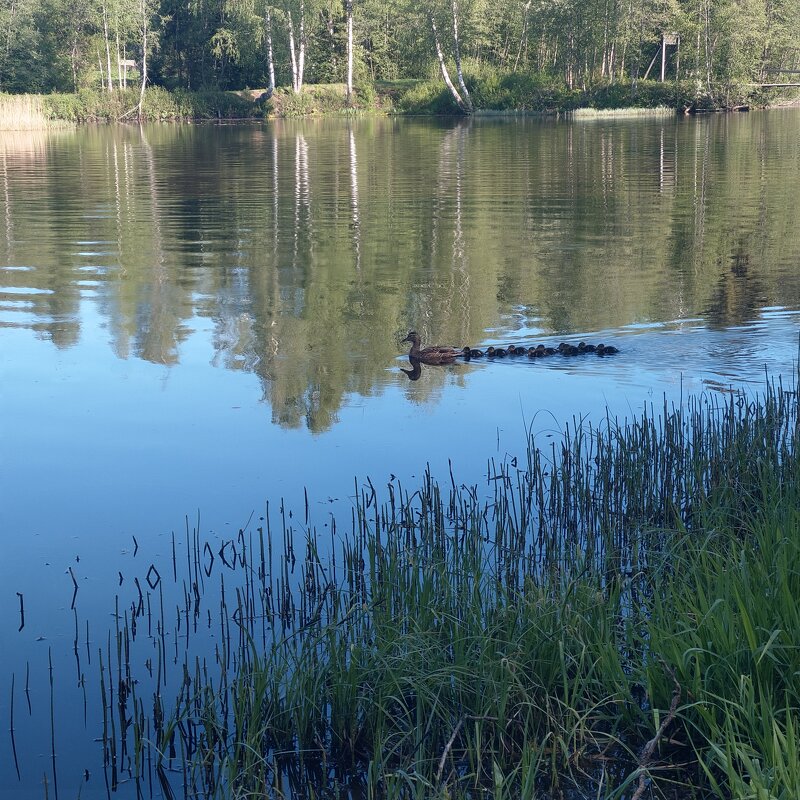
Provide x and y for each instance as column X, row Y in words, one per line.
column 430, row 355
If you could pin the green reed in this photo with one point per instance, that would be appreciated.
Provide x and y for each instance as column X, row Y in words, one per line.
column 614, row 617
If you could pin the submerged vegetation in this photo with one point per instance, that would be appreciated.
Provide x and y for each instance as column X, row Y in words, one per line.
column 617, row 617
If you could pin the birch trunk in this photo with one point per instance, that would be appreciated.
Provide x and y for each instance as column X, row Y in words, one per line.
column 270, row 55
column 708, row 47
column 10, row 29
column 119, row 66
column 457, row 53
column 348, row 7
column 292, row 52
column 524, row 35
column 297, row 48
column 110, row 79
column 143, row 8
column 73, row 57
column 443, row 67
column 301, row 65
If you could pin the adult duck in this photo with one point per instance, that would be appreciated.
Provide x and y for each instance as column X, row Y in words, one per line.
column 430, row 355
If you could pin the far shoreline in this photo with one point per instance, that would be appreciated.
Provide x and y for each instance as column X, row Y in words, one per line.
column 400, row 99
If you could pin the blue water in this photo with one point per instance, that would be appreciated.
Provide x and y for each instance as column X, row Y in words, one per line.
column 203, row 322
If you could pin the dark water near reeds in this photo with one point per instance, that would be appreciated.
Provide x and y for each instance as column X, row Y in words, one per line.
column 207, row 319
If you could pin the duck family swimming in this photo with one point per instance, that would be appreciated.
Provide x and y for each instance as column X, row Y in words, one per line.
column 446, row 355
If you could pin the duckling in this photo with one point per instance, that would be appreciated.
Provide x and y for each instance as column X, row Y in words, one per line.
column 500, row 352
column 534, row 352
column 606, row 350
column 475, row 353
column 590, row 348
column 429, row 355
column 466, row 353
column 550, row 351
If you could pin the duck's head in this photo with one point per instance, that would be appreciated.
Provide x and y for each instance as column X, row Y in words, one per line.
column 412, row 337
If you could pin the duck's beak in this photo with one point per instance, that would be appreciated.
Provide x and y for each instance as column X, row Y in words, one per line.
column 407, row 339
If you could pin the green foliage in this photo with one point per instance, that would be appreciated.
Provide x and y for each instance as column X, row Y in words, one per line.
column 89, row 105
column 645, row 94
column 726, row 621
column 646, row 575
column 426, row 97
column 537, row 92
column 159, row 105
column 321, row 99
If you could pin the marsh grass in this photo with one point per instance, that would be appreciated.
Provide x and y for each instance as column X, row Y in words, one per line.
column 623, row 113
column 526, row 643
column 25, row 112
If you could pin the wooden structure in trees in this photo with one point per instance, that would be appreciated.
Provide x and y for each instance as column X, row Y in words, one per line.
column 125, row 63
column 668, row 39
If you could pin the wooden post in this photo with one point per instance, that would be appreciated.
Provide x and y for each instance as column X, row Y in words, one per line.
column 125, row 63
column 671, row 39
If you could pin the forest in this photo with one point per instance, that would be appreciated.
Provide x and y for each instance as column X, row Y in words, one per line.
column 70, row 45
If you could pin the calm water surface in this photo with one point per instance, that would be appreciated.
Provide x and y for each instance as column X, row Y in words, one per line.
column 207, row 319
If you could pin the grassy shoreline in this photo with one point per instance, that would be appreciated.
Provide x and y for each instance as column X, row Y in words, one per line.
column 616, row 619
column 492, row 94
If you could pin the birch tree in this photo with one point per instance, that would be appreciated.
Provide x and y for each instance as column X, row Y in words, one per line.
column 460, row 94
column 298, row 41
column 348, row 13
column 147, row 9
column 270, row 48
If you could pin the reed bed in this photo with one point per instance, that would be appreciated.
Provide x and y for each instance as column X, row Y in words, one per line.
column 24, row 112
column 622, row 113
column 613, row 618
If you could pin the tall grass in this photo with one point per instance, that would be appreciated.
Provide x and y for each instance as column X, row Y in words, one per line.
column 616, row 618
column 24, row 112
column 159, row 105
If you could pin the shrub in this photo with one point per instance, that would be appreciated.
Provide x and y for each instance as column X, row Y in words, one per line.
column 427, row 97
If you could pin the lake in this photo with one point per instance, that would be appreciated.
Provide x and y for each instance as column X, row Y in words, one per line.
column 199, row 321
